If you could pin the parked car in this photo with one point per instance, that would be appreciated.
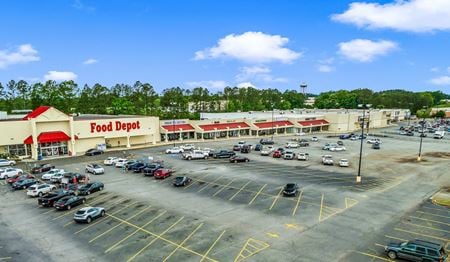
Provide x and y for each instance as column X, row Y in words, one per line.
column 423, row 134
column 195, row 154
column 42, row 168
column 239, row 158
column 162, row 173
column 327, row 160
column 50, row 174
column 187, row 147
column 40, row 189
column 18, row 177
column 24, row 184
column 303, row 143
column 353, row 138
column 410, row 133
column 314, row 139
column 56, row 178
column 376, row 146
column 292, row 145
column 50, row 199
column 7, row 162
column 120, row 162
column 299, row 134
column 90, row 188
column 289, row 155
column 277, row 154
column 337, row 148
column 258, row 147
column 95, row 169
column 246, row 148
column 174, row 150
column 303, row 156
column 373, row 141
column 340, row 143
column 344, row 163
column 267, row 150
column 93, row 152
column 138, row 167
column 290, row 189
column 130, row 163
column 181, row 181
column 328, row 146
column 236, row 148
column 110, row 161
column 417, row 250
column 345, row 136
column 224, row 154
column 67, row 202
column 439, row 134
column 151, row 168
column 10, row 172
column 87, row 214
column 266, row 141
column 74, row 176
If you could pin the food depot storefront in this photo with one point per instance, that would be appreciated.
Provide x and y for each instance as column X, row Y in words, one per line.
column 47, row 132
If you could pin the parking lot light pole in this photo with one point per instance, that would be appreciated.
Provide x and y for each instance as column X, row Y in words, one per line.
column 272, row 121
column 419, row 157
column 364, row 107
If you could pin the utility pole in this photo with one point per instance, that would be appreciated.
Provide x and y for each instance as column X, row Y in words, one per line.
column 364, row 107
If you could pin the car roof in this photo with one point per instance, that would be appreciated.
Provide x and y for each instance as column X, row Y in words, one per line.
column 425, row 243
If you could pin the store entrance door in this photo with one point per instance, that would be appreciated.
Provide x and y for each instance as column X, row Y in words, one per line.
column 53, row 149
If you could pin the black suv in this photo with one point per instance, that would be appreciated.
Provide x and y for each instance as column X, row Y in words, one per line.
column 90, row 188
column 150, row 169
column 416, row 250
column 246, row 148
column 290, row 189
column 224, row 154
column 266, row 142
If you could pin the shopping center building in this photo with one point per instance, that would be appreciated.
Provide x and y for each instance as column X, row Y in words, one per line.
column 48, row 132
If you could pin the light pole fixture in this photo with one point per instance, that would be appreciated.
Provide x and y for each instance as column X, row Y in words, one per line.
column 364, row 107
column 272, row 120
column 419, row 157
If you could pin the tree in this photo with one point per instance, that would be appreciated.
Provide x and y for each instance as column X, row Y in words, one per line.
column 440, row 114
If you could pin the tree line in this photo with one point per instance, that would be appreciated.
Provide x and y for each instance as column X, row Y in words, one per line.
column 142, row 99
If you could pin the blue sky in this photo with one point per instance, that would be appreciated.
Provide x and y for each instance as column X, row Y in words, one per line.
column 330, row 45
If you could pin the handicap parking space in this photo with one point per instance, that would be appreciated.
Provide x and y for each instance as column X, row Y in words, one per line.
column 427, row 222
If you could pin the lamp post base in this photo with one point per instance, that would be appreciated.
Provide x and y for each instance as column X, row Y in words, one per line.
column 358, row 179
column 419, row 158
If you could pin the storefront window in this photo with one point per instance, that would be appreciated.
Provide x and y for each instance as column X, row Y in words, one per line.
column 53, row 149
column 19, row 150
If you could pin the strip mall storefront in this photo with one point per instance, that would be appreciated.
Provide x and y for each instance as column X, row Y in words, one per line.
column 47, row 132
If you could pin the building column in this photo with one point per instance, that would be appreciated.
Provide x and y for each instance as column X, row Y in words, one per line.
column 34, row 146
column 153, row 139
column 166, row 137
column 320, row 128
column 228, row 132
column 276, row 130
column 239, row 131
column 128, row 142
column 181, row 136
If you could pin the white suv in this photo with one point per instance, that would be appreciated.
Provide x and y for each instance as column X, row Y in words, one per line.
column 52, row 173
column 174, row 150
column 120, row 162
column 40, row 189
column 292, row 145
column 95, row 169
column 188, row 147
column 303, row 156
column 373, row 141
column 10, row 172
column 327, row 160
column 110, row 161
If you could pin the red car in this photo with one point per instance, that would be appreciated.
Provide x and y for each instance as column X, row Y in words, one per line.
column 276, row 154
column 16, row 178
column 162, row 173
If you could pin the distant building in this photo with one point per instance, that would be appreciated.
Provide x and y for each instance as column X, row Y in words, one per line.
column 445, row 109
column 207, row 106
column 310, row 101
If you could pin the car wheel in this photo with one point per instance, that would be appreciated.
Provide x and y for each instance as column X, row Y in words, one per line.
column 392, row 255
column 189, row 158
column 40, row 194
column 24, row 187
column 69, row 207
column 83, row 201
column 102, row 213
column 88, row 192
column 235, row 161
column 88, row 220
column 206, row 157
column 246, row 160
column 100, row 188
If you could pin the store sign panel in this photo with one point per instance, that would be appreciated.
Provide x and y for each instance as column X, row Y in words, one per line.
column 115, row 126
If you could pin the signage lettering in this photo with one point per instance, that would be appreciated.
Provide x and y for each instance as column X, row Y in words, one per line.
column 116, row 126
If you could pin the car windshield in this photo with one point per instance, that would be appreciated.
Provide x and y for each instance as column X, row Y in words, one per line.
column 95, row 166
column 80, row 212
column 290, row 186
column 180, row 178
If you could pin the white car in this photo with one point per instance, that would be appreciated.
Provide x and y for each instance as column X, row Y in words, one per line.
column 40, row 189
column 292, row 145
column 51, row 173
column 303, row 156
column 343, row 163
column 10, row 172
column 174, row 150
column 121, row 162
column 56, row 178
column 327, row 160
column 337, row 148
column 314, row 139
column 110, row 161
column 188, row 147
column 374, row 141
column 95, row 169
column 300, row 134
column 267, row 150
column 289, row 155
column 6, row 162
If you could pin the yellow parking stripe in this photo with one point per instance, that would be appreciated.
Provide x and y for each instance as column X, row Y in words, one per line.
column 137, row 230
column 154, row 240
column 428, row 227
column 184, row 241
column 321, row 207
column 121, row 223
column 424, row 235
column 298, row 203
column 212, row 246
column 396, row 238
column 5, row 258
column 276, row 199
column 259, row 192
column 373, row 256
column 223, row 187
column 431, row 214
column 431, row 220
column 235, row 194
column 205, row 186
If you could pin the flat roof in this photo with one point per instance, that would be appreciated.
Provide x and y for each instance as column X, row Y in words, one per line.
column 94, row 116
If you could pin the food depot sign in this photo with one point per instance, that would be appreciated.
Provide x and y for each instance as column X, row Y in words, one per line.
column 115, row 126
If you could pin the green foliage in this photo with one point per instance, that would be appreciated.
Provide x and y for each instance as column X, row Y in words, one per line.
column 439, row 114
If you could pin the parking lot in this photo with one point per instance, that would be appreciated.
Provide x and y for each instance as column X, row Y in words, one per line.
column 236, row 211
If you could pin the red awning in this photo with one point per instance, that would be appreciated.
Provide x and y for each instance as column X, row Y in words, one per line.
column 47, row 137
column 178, row 127
column 320, row 122
column 36, row 112
column 224, row 126
column 273, row 124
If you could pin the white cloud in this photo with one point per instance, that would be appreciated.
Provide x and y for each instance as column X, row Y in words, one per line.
column 24, row 54
column 258, row 73
column 402, row 15
column 60, row 76
column 441, row 81
column 252, row 47
column 326, row 66
column 210, row 84
column 245, row 85
column 90, row 61
column 364, row 50
column 448, row 69
column 434, row 69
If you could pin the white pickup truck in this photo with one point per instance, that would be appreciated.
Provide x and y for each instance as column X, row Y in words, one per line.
column 195, row 154
column 439, row 134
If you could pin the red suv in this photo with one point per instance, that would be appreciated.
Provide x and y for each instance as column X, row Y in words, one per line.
column 16, row 178
column 162, row 173
column 276, row 154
